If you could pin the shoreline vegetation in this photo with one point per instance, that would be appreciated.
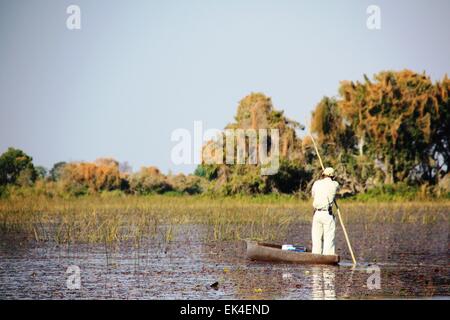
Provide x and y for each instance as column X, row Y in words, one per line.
column 113, row 218
column 388, row 139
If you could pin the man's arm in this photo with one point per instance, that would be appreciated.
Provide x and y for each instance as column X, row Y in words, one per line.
column 336, row 188
column 337, row 185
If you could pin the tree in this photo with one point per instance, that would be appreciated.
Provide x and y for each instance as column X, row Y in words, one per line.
column 392, row 129
column 14, row 163
column 56, row 171
column 255, row 112
column 41, row 172
column 91, row 177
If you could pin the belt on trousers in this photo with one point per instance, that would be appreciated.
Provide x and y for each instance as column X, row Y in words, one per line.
column 326, row 210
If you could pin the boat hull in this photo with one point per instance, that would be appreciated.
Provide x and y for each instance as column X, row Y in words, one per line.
column 273, row 253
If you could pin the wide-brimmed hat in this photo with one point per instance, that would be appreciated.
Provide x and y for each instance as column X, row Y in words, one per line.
column 329, row 172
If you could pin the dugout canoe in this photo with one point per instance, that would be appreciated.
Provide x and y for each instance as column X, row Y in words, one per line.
column 272, row 252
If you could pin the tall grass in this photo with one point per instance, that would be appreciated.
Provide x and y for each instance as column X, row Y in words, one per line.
column 111, row 219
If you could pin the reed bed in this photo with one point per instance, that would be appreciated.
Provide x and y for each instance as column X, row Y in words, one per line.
column 109, row 219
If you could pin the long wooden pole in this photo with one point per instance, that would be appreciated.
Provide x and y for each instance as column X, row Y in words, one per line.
column 335, row 203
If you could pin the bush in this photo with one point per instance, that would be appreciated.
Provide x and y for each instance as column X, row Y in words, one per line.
column 149, row 180
column 388, row 192
column 243, row 180
column 185, row 184
column 291, row 178
column 209, row 172
column 91, row 177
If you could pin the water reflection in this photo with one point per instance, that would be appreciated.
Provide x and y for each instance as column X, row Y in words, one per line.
column 323, row 282
column 186, row 267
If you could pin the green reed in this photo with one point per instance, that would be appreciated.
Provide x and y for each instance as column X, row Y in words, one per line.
column 97, row 219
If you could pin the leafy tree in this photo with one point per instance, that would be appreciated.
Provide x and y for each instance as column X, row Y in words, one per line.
column 394, row 128
column 15, row 164
column 255, row 112
column 82, row 177
column 56, row 171
column 41, row 172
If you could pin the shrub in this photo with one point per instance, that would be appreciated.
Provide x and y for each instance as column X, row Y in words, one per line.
column 91, row 177
column 388, row 192
column 149, row 180
column 291, row 177
column 185, row 184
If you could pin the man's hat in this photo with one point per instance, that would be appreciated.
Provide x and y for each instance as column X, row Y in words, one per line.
column 329, row 172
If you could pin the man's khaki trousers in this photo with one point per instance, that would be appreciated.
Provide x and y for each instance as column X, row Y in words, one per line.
column 323, row 227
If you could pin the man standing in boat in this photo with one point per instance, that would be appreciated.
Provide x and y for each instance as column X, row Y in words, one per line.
column 323, row 226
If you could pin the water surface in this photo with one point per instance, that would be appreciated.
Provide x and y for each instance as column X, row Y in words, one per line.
column 412, row 259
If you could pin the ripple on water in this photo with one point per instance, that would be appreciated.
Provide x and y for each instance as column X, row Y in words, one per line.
column 412, row 260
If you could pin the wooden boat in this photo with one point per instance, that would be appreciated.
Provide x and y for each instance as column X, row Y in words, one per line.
column 272, row 252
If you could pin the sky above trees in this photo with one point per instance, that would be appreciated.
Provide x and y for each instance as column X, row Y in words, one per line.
column 136, row 71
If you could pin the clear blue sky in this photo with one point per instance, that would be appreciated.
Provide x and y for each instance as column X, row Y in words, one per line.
column 137, row 70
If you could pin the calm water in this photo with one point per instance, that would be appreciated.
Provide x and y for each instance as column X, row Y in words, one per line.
column 412, row 259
